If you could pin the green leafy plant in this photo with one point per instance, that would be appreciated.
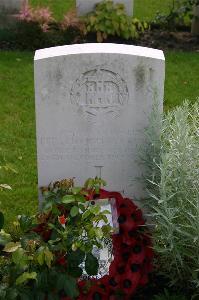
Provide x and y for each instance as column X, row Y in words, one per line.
column 36, row 28
column 45, row 254
column 179, row 16
column 168, row 296
column 71, row 19
column 172, row 158
column 110, row 19
column 41, row 15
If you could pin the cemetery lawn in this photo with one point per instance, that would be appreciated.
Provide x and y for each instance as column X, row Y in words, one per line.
column 17, row 130
column 143, row 9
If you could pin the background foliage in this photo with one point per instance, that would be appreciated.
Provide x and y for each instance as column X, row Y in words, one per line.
column 144, row 9
column 43, row 255
column 110, row 19
column 173, row 187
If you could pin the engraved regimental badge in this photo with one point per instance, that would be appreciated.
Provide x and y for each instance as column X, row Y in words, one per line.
column 99, row 92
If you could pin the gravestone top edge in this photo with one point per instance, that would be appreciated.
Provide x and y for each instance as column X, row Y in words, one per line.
column 97, row 48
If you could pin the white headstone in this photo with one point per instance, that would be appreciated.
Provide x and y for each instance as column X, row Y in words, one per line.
column 86, row 6
column 11, row 6
column 92, row 103
column 8, row 11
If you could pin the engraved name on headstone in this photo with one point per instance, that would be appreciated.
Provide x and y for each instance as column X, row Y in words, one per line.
column 92, row 104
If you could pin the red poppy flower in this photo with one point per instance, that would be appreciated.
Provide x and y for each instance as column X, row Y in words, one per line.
column 62, row 220
column 96, row 293
column 116, row 241
column 117, row 267
column 130, row 281
column 138, row 254
column 61, row 261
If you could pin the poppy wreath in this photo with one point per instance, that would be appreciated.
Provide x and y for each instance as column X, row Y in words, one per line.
column 132, row 250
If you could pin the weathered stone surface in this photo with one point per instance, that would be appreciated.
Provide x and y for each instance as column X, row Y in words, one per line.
column 92, row 104
column 8, row 11
column 195, row 21
column 86, row 6
column 10, row 6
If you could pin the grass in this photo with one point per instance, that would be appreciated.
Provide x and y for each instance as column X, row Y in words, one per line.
column 59, row 7
column 147, row 9
column 182, row 77
column 17, row 131
column 143, row 9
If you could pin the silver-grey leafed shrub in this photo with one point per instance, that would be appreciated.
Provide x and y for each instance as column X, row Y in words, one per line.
column 172, row 181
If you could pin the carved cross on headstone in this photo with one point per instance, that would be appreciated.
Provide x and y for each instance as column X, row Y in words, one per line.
column 98, row 171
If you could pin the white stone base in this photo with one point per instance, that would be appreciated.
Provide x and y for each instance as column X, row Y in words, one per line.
column 86, row 6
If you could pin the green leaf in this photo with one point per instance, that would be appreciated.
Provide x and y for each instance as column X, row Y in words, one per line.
column 11, row 294
column 75, row 272
column 75, row 257
column 82, row 207
column 74, row 211
column 47, row 205
column 86, row 214
column 25, row 223
column 68, row 199
column 12, row 247
column 104, row 218
column 26, row 294
column 106, row 212
column 4, row 238
column 40, row 256
column 44, row 255
column 25, row 277
column 76, row 190
column 2, row 291
column 68, row 284
column 70, row 287
column 89, row 183
column 91, row 264
column 95, row 209
column 80, row 198
column 98, row 233
column 1, row 220
column 107, row 229
column 52, row 296
column 48, row 257
column 20, row 258
column 42, row 296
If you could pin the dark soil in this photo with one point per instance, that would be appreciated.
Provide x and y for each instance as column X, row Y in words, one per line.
column 170, row 40
column 164, row 40
column 32, row 39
